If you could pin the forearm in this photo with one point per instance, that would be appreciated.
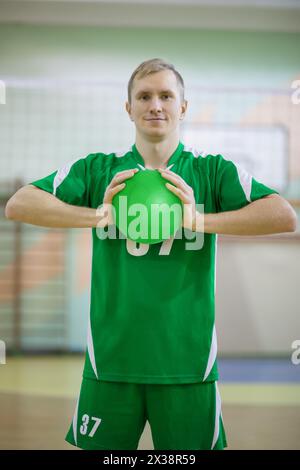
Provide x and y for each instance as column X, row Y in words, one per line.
column 265, row 216
column 37, row 207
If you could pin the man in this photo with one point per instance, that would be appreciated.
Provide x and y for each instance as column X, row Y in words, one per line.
column 151, row 352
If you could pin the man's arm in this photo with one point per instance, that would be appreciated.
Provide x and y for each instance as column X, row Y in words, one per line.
column 271, row 214
column 37, row 207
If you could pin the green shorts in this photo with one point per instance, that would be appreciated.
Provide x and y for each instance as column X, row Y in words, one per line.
column 112, row 416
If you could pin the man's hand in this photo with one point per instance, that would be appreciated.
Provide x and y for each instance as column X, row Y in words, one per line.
column 268, row 215
column 115, row 186
column 185, row 194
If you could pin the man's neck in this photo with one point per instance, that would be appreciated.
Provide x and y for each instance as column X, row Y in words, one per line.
column 156, row 154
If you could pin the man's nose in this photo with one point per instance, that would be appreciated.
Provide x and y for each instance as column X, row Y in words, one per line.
column 155, row 105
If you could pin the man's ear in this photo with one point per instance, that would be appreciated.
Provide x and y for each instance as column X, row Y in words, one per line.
column 183, row 108
column 128, row 109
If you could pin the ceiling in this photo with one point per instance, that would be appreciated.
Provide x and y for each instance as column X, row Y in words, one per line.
column 247, row 15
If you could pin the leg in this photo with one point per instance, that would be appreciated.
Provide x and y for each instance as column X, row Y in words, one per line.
column 185, row 416
column 108, row 415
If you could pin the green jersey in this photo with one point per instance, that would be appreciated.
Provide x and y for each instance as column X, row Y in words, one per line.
column 152, row 308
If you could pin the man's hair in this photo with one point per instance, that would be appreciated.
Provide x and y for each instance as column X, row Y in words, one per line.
column 153, row 66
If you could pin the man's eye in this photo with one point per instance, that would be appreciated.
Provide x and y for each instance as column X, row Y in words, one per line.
column 144, row 97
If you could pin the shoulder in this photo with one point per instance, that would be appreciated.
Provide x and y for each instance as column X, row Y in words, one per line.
column 201, row 155
column 101, row 157
column 202, row 159
column 104, row 161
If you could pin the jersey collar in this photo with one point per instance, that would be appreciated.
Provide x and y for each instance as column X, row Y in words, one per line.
column 173, row 158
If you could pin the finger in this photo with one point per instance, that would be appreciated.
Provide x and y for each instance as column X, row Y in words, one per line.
column 169, row 172
column 181, row 194
column 176, row 179
column 121, row 176
column 111, row 192
column 117, row 188
column 124, row 172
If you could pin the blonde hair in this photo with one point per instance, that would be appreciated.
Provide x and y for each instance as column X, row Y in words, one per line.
column 153, row 66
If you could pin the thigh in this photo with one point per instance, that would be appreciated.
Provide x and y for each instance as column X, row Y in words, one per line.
column 185, row 416
column 108, row 415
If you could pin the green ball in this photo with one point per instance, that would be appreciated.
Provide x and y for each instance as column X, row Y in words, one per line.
column 146, row 211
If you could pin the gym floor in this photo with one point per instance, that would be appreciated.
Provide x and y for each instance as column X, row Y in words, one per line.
column 260, row 402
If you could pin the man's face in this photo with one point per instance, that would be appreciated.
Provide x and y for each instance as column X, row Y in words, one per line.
column 156, row 106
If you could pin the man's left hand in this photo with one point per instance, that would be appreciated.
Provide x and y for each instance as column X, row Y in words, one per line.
column 185, row 194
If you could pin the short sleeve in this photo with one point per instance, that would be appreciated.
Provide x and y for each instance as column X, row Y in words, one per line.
column 69, row 183
column 235, row 187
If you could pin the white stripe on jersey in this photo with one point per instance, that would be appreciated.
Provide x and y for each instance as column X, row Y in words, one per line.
column 197, row 153
column 217, row 416
column 244, row 177
column 61, row 174
column 214, row 344
column 143, row 168
column 216, row 253
column 170, row 166
column 245, row 181
column 212, row 354
column 90, row 345
column 75, row 419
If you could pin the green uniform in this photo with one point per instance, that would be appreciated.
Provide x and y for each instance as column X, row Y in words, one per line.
column 152, row 315
column 152, row 310
column 112, row 416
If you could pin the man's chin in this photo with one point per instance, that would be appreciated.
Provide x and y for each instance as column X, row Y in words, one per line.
column 155, row 133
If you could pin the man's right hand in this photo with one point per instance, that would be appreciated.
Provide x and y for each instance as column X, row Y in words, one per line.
column 35, row 206
column 115, row 186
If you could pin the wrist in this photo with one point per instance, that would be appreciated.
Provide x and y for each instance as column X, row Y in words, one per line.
column 101, row 217
column 198, row 222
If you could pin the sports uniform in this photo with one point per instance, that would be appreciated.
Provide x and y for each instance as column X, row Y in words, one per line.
column 152, row 306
